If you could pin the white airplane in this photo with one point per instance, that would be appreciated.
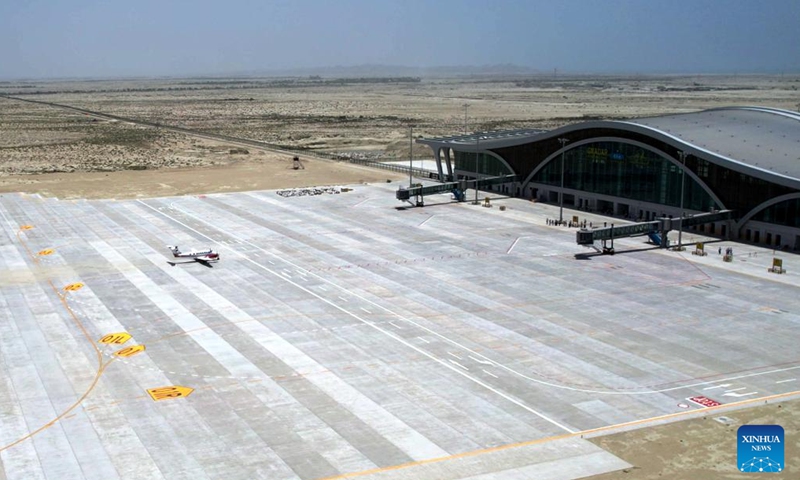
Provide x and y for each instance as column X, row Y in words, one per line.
column 206, row 257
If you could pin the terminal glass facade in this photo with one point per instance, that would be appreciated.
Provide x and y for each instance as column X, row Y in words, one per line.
column 487, row 164
column 626, row 171
column 783, row 213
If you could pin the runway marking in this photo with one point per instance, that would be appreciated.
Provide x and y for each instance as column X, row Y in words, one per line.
column 482, row 362
column 453, row 342
column 426, row 221
column 736, row 389
column 581, row 434
column 512, row 245
column 787, row 380
column 426, row 341
column 395, row 325
column 724, row 385
column 355, row 316
column 165, row 393
column 101, row 367
column 737, row 395
column 342, row 298
column 115, row 338
column 322, row 287
column 73, row 287
column 365, row 310
column 489, row 373
column 456, row 363
column 454, row 355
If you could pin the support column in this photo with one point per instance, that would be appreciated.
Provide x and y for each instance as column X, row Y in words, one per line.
column 449, row 164
column 438, row 157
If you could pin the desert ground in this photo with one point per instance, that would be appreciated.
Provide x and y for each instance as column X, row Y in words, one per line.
column 316, row 118
column 67, row 154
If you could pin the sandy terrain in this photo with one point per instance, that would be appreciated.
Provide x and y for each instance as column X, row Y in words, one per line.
column 65, row 154
column 369, row 118
column 266, row 171
column 700, row 448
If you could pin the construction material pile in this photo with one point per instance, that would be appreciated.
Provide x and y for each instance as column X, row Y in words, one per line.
column 309, row 191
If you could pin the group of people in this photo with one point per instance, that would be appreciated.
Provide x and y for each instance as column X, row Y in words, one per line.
column 562, row 223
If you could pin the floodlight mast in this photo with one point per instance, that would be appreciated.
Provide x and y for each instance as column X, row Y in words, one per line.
column 477, row 147
column 410, row 154
column 563, row 142
column 682, row 156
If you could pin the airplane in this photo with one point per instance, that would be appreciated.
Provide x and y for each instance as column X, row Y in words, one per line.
column 205, row 257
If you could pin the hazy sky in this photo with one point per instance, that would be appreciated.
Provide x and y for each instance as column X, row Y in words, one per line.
column 107, row 38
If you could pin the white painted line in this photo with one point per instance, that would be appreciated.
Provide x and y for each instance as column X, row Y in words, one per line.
column 426, row 221
column 342, row 298
column 489, row 373
column 787, row 380
column 396, row 326
column 736, row 389
column 512, row 245
column 482, row 362
column 300, row 272
column 459, row 345
column 724, row 385
column 737, row 395
column 426, row 341
column 365, row 310
column 362, row 201
column 456, row 363
column 271, row 262
column 322, row 287
column 454, row 355
column 434, row 358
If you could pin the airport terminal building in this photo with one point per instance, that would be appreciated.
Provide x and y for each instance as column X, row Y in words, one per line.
column 746, row 159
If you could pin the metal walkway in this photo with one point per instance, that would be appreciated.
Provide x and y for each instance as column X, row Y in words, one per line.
column 663, row 225
column 458, row 188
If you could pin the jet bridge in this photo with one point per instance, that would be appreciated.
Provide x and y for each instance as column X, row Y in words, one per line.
column 458, row 188
column 662, row 225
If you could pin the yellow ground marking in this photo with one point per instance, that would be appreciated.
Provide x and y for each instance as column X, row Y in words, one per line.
column 46, row 251
column 130, row 351
column 26, row 227
column 115, row 338
column 25, row 244
column 173, row 391
column 73, row 287
column 101, row 367
column 697, row 412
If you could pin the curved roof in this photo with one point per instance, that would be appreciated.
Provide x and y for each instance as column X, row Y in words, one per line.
column 764, row 142
column 760, row 137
